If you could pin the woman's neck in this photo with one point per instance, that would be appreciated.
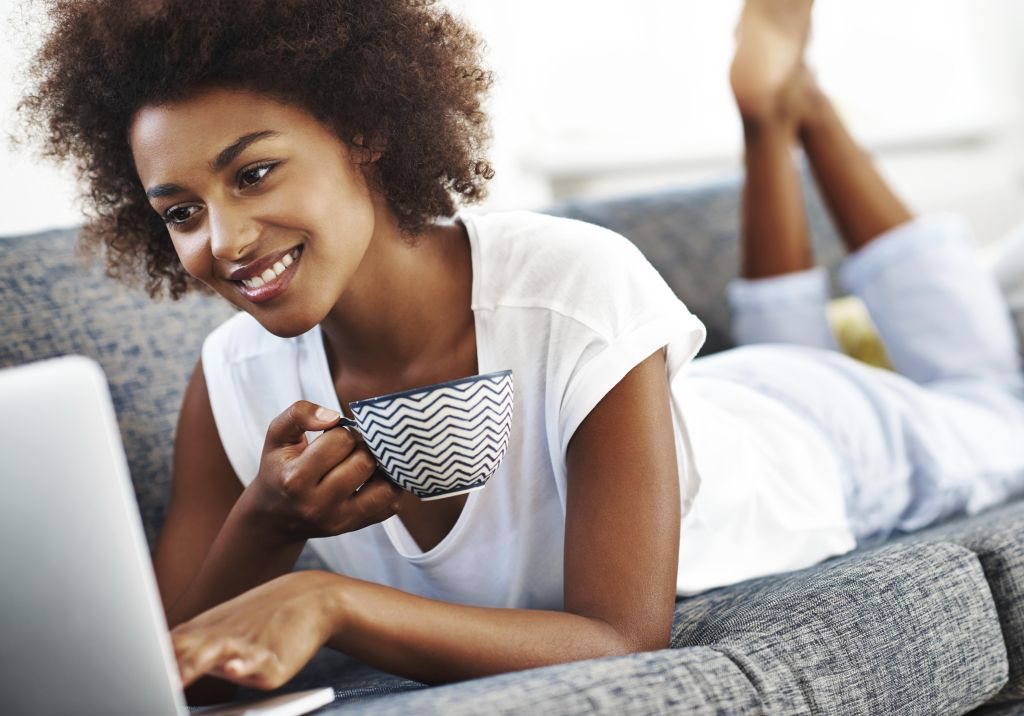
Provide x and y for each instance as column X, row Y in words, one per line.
column 407, row 309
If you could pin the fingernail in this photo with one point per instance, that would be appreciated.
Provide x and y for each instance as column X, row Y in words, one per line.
column 326, row 415
column 236, row 665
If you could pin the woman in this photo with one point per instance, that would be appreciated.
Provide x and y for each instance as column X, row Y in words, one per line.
column 300, row 159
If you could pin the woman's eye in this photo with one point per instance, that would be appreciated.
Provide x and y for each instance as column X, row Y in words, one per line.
column 251, row 176
column 180, row 214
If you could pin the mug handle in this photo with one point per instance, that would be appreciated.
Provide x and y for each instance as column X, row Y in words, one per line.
column 346, row 423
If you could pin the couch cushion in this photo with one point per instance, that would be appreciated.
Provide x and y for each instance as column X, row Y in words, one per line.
column 692, row 237
column 902, row 629
column 671, row 681
column 55, row 304
column 997, row 538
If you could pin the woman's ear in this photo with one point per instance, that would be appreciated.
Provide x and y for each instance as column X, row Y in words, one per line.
column 367, row 152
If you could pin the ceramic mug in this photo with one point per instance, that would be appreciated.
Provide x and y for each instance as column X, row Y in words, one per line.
column 439, row 440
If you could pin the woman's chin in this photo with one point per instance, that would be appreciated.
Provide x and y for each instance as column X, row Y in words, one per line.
column 276, row 316
column 282, row 322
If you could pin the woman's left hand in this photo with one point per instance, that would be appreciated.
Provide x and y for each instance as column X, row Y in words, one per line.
column 263, row 637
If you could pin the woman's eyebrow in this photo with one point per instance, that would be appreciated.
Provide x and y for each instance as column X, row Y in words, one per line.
column 231, row 151
column 160, row 190
column 226, row 156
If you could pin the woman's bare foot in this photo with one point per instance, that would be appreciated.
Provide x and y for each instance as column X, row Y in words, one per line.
column 809, row 102
column 767, row 73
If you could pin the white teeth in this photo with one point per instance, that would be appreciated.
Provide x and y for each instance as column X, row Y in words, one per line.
column 273, row 272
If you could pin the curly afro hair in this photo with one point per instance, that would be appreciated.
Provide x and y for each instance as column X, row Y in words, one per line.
column 404, row 72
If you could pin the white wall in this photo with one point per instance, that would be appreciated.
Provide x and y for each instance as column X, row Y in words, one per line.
column 35, row 195
column 594, row 100
column 598, row 97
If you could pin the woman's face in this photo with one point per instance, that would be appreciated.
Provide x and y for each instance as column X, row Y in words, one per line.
column 257, row 190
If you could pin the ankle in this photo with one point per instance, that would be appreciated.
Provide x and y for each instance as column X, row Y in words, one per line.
column 815, row 107
column 762, row 130
column 767, row 111
column 769, row 118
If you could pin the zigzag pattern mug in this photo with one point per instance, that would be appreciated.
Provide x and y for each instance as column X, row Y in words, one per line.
column 439, row 440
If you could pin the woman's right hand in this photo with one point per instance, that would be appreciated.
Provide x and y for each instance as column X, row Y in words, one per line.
column 316, row 489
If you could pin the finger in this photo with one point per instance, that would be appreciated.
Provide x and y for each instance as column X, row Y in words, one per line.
column 345, row 478
column 184, row 643
column 376, row 501
column 203, row 659
column 326, row 452
column 261, row 671
column 240, row 669
column 290, row 427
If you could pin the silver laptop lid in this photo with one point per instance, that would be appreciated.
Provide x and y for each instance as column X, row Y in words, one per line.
column 81, row 626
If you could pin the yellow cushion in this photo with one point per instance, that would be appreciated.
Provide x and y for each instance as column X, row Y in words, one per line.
column 855, row 333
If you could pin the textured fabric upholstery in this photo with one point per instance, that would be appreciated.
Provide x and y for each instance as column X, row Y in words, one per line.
column 905, row 629
column 695, row 680
column 997, row 538
column 673, row 681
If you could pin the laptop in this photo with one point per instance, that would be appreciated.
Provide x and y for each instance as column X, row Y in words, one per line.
column 82, row 629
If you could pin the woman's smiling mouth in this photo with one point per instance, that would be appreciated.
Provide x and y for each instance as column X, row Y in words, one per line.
column 273, row 280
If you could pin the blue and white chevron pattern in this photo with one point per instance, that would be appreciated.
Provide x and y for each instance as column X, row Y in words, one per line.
column 440, row 440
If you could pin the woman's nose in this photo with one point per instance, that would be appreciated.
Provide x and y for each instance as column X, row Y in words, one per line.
column 231, row 234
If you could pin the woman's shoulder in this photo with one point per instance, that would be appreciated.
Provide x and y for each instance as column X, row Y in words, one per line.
column 534, row 234
column 528, row 259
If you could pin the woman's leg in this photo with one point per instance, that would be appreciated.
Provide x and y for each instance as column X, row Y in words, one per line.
column 944, row 437
column 861, row 203
column 780, row 297
column 774, row 234
column 956, row 412
column 940, row 315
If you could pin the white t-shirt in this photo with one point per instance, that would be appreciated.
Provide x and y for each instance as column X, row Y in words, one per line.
column 570, row 308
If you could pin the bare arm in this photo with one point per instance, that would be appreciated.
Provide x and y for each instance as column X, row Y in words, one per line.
column 621, row 551
column 219, row 539
column 204, row 492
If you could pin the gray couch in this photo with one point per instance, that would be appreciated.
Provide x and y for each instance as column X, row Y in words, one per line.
column 927, row 624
